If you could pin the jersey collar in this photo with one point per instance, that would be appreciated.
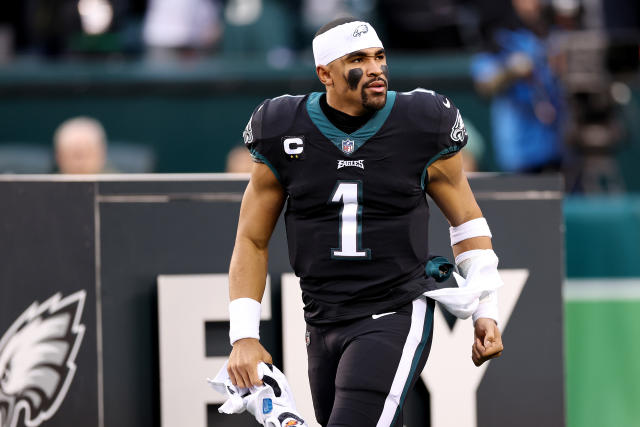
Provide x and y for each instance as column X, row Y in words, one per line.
column 335, row 135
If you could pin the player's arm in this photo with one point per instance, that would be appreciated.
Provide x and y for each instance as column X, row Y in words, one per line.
column 261, row 206
column 449, row 188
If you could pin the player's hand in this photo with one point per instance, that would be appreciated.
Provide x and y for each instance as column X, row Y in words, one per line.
column 243, row 363
column 487, row 343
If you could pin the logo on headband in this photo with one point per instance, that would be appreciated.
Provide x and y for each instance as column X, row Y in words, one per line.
column 360, row 29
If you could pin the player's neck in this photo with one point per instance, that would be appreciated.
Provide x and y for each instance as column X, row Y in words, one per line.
column 348, row 108
column 343, row 121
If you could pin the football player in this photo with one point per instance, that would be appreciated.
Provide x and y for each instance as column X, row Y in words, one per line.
column 353, row 165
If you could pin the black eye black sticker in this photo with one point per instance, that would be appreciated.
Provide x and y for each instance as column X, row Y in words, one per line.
column 354, row 77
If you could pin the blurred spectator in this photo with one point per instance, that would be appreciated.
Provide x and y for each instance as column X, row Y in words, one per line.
column 261, row 28
column 239, row 160
column 61, row 28
column 527, row 107
column 181, row 24
column 80, row 146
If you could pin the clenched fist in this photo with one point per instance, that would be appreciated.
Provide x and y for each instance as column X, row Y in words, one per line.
column 487, row 343
column 243, row 363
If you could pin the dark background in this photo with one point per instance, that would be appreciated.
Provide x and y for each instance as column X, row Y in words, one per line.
column 49, row 247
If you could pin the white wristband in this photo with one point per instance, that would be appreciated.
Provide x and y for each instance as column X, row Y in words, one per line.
column 474, row 228
column 244, row 319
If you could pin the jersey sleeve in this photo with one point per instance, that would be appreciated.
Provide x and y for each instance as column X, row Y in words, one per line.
column 440, row 131
column 259, row 146
column 252, row 134
column 452, row 135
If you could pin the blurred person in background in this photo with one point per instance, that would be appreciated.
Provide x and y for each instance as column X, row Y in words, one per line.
column 80, row 146
column 172, row 26
column 527, row 100
column 57, row 29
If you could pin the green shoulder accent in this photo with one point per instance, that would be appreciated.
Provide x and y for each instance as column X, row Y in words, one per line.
column 264, row 160
column 335, row 135
column 452, row 149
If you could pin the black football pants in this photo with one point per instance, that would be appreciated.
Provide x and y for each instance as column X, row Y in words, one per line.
column 360, row 371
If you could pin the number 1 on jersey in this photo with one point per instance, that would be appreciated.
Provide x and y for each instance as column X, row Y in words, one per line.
column 350, row 231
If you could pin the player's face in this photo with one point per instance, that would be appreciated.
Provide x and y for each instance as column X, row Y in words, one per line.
column 363, row 78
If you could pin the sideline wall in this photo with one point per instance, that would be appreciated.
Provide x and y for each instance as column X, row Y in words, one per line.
column 111, row 237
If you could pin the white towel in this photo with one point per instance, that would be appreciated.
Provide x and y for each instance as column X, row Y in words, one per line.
column 482, row 278
column 271, row 404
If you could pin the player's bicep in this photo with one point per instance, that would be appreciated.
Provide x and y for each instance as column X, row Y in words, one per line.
column 449, row 188
column 261, row 206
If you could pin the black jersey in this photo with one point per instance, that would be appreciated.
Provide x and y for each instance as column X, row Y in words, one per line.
column 356, row 215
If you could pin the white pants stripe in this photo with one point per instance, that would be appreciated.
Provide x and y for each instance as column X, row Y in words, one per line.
column 403, row 372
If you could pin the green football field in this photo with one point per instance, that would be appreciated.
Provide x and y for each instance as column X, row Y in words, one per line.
column 602, row 339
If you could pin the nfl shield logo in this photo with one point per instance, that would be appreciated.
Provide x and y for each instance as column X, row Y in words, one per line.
column 347, row 146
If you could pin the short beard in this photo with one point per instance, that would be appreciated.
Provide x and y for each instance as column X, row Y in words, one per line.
column 373, row 104
column 376, row 103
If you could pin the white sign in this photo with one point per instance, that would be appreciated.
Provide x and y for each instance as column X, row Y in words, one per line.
column 185, row 304
column 450, row 375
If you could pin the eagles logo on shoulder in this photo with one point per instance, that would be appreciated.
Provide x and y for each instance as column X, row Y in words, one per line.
column 247, row 135
column 37, row 359
column 458, row 131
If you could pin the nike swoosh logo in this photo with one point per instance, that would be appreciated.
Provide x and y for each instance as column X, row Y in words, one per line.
column 377, row 316
column 446, row 103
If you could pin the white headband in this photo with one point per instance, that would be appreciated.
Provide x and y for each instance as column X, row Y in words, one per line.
column 344, row 39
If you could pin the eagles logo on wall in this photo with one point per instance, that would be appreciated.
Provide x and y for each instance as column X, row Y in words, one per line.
column 37, row 359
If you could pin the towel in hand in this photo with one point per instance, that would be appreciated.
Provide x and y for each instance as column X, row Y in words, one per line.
column 272, row 403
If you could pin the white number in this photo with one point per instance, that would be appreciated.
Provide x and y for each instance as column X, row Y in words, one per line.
column 350, row 193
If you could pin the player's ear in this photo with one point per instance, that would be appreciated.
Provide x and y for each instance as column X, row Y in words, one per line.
column 324, row 75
